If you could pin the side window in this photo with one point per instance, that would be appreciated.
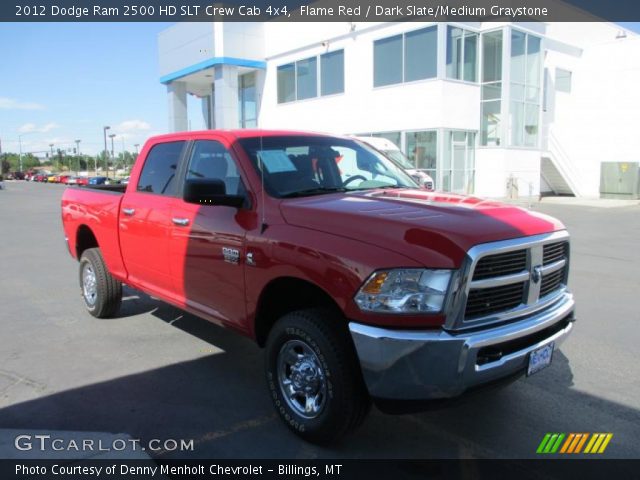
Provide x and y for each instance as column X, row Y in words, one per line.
column 211, row 160
column 159, row 171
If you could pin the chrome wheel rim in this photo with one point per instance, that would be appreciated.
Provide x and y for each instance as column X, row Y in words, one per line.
column 89, row 285
column 302, row 379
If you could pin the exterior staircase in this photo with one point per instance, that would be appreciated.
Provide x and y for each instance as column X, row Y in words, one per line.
column 554, row 178
column 559, row 170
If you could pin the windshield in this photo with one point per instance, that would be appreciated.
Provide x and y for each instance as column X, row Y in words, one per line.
column 400, row 158
column 311, row 165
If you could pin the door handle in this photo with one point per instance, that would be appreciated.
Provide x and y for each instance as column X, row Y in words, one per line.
column 128, row 211
column 183, row 222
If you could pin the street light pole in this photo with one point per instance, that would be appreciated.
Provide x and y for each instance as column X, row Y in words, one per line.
column 78, row 156
column 112, row 154
column 106, row 152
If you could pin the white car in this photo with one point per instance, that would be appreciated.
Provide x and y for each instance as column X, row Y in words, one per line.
column 391, row 151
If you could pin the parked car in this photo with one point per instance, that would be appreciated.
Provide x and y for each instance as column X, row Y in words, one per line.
column 82, row 180
column 359, row 284
column 53, row 178
column 41, row 177
column 1, row 182
column 18, row 175
column 72, row 180
column 97, row 180
column 392, row 151
column 124, row 181
column 64, row 179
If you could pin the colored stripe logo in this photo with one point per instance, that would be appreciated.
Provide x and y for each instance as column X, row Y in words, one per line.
column 574, row 443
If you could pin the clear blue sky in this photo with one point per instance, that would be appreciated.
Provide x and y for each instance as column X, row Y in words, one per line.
column 64, row 81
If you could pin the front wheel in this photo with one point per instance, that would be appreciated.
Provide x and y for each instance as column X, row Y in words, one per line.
column 101, row 292
column 314, row 377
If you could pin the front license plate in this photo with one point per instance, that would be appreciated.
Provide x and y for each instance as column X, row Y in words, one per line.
column 540, row 358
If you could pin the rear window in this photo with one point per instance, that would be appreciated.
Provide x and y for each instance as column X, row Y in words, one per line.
column 159, row 172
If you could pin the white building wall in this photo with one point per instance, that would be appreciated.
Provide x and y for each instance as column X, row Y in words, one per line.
column 362, row 108
column 242, row 40
column 597, row 121
column 183, row 45
column 495, row 167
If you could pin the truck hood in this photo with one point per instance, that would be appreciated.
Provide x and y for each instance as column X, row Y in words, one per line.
column 434, row 229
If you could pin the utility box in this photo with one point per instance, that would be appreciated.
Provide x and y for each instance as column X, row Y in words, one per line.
column 620, row 180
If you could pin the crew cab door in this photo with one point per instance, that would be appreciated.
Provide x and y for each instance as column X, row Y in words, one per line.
column 207, row 245
column 145, row 220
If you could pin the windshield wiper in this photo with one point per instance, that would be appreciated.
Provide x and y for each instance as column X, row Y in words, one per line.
column 313, row 191
column 381, row 187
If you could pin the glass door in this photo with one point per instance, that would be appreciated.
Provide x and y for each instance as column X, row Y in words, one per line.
column 459, row 165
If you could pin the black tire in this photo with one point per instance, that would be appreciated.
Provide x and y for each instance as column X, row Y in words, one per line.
column 108, row 291
column 345, row 401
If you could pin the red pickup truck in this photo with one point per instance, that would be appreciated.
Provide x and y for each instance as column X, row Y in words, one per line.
column 360, row 284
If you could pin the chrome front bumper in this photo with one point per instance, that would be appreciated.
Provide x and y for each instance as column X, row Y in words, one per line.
column 419, row 365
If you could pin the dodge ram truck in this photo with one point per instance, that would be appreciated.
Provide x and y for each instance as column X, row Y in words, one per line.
column 361, row 286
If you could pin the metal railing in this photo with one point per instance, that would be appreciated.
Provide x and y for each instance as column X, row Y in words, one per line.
column 562, row 161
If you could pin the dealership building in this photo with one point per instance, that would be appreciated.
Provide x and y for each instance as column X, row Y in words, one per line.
column 492, row 109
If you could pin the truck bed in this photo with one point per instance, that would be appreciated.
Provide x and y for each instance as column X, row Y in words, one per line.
column 98, row 208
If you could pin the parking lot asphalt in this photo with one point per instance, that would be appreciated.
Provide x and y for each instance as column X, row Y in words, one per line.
column 155, row 372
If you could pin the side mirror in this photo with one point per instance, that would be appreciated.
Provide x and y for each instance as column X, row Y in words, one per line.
column 210, row 191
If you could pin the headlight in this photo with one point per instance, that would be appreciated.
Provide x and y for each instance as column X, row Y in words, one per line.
column 404, row 291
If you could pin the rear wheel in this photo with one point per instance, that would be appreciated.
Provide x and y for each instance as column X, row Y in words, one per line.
column 314, row 377
column 101, row 292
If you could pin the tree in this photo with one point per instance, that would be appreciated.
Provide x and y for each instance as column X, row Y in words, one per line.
column 28, row 161
column 125, row 160
column 6, row 166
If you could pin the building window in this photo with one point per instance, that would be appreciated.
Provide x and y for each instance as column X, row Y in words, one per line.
column 405, row 58
column 491, row 88
column 420, row 54
column 387, row 61
column 307, row 78
column 286, row 83
column 462, row 53
column 422, row 150
column 247, row 100
column 525, row 89
column 563, row 80
column 299, row 80
column 332, row 73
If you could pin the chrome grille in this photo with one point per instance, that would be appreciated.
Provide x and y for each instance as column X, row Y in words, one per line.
column 500, row 264
column 509, row 279
column 484, row 301
column 551, row 282
column 553, row 252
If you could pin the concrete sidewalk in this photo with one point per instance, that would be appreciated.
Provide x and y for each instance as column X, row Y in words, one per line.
column 594, row 202
column 590, row 202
